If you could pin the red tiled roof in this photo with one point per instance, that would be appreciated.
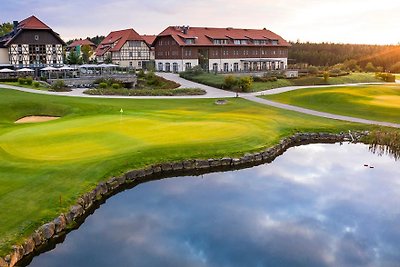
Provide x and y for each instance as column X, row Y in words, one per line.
column 149, row 39
column 204, row 36
column 32, row 23
column 81, row 42
column 118, row 39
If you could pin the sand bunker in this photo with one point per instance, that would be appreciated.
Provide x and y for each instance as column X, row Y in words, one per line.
column 33, row 119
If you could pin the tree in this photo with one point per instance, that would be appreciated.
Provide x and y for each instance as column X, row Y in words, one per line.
column 74, row 59
column 5, row 28
column 370, row 67
column 245, row 83
column 395, row 68
column 87, row 52
column 326, row 76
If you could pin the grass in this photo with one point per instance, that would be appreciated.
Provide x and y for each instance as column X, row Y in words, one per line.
column 41, row 163
column 217, row 80
column 41, row 86
column 373, row 102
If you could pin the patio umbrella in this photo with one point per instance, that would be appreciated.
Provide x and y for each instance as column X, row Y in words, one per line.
column 25, row 70
column 6, row 70
column 65, row 68
column 48, row 68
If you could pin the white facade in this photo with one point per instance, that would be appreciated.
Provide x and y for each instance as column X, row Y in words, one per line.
column 223, row 65
column 4, row 58
column 175, row 65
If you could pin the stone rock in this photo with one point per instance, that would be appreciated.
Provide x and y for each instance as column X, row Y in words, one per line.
column 131, row 176
column 60, row 223
column 75, row 212
column 235, row 162
column 177, row 166
column 226, row 161
column 148, row 171
column 16, row 255
column 3, row 263
column 29, row 246
column 202, row 164
column 157, row 168
column 189, row 164
column 47, row 230
column 166, row 167
column 37, row 239
column 214, row 162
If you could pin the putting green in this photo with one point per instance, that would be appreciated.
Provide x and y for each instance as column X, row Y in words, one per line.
column 373, row 102
column 43, row 163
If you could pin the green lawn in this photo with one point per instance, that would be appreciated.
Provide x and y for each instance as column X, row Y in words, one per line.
column 217, row 80
column 41, row 87
column 374, row 102
column 39, row 163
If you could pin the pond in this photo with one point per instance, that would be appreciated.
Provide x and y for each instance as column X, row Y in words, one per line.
column 316, row 205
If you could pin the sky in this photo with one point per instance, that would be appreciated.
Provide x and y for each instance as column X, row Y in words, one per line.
column 339, row 21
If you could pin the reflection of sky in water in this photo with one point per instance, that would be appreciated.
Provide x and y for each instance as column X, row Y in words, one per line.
column 316, row 205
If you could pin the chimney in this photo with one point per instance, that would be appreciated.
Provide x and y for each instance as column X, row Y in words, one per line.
column 185, row 29
column 15, row 24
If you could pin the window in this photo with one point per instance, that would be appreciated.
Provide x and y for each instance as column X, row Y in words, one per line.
column 226, row 67
column 225, row 52
column 134, row 43
column 130, row 64
column 240, row 42
column 37, row 37
column 274, row 42
column 167, row 67
column 139, row 54
column 188, row 53
column 175, row 67
column 215, row 67
column 188, row 65
column 139, row 64
column 220, row 41
column 190, row 41
column 235, row 67
column 160, row 66
column 131, row 54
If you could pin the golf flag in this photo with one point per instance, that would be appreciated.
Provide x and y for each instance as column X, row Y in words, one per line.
column 121, row 111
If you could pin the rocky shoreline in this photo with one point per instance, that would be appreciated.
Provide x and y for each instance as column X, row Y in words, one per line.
column 54, row 231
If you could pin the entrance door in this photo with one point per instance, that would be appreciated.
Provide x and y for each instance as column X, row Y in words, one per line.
column 203, row 59
column 226, row 67
column 235, row 67
column 175, row 67
column 215, row 67
column 167, row 67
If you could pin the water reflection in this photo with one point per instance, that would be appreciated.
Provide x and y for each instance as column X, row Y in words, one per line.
column 316, row 205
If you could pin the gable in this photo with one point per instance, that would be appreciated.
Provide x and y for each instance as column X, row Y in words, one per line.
column 36, row 37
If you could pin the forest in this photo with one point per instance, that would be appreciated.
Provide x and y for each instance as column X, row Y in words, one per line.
column 386, row 57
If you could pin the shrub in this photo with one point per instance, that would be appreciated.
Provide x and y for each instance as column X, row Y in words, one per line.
column 29, row 80
column 103, row 85
column 116, row 85
column 387, row 77
column 245, row 83
column 21, row 81
column 312, row 70
column 141, row 74
column 230, row 82
column 59, row 85
column 36, row 84
column 370, row 67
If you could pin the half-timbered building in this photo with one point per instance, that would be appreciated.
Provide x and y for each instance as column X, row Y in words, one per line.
column 220, row 49
column 31, row 44
column 125, row 48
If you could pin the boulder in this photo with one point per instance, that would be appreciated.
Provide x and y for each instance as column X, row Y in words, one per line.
column 47, row 230
column 166, row 167
column 177, row 166
column 29, row 246
column 189, row 164
column 60, row 223
column 3, row 263
column 202, row 164
column 37, row 239
column 226, row 161
column 16, row 255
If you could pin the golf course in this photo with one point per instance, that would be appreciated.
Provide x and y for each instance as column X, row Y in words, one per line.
column 46, row 166
column 373, row 102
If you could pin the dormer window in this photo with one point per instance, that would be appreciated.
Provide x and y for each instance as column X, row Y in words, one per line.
column 240, row 42
column 220, row 41
column 260, row 42
column 274, row 42
column 189, row 41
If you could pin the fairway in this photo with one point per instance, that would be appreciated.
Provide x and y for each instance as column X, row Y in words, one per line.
column 43, row 163
column 373, row 102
